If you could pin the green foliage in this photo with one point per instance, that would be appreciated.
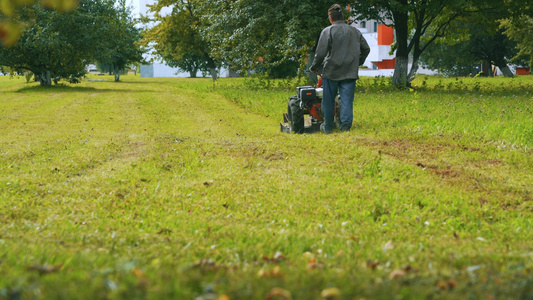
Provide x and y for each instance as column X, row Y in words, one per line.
column 520, row 29
column 59, row 45
column 450, row 60
column 123, row 48
column 286, row 69
column 177, row 36
column 477, row 40
column 245, row 34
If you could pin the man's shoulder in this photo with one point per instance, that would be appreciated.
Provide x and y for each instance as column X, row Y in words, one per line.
column 344, row 25
column 354, row 29
column 327, row 28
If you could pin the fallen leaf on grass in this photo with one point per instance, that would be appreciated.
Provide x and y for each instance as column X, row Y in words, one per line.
column 142, row 282
column 442, row 285
column 138, row 272
column 275, row 272
column 208, row 264
column 44, row 269
column 278, row 293
column 330, row 294
column 401, row 272
column 388, row 246
column 164, row 231
column 223, row 297
column 312, row 264
column 372, row 264
column 445, row 285
column 277, row 257
column 473, row 268
column 396, row 274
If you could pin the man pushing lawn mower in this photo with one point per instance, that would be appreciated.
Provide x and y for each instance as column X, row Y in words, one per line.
column 341, row 49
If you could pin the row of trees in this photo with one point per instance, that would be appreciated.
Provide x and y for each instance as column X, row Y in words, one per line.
column 57, row 38
column 59, row 43
column 243, row 34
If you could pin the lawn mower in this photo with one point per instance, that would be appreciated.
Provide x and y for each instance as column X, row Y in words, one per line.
column 304, row 110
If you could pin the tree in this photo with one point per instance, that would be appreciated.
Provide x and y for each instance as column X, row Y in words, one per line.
column 473, row 39
column 450, row 59
column 176, row 37
column 55, row 45
column 492, row 46
column 59, row 45
column 123, row 49
column 246, row 34
column 417, row 25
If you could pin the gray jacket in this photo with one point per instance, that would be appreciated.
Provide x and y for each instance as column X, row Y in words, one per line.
column 341, row 50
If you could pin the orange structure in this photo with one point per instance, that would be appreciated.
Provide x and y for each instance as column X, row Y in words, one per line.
column 385, row 38
column 386, row 63
column 385, row 35
column 523, row 71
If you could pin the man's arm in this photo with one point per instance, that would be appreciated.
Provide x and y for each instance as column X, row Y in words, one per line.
column 365, row 50
column 321, row 51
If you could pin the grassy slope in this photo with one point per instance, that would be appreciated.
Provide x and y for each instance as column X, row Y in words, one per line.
column 163, row 188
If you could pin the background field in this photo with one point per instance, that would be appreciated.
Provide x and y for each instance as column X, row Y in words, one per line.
column 175, row 189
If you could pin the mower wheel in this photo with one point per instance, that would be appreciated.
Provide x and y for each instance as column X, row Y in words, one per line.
column 296, row 116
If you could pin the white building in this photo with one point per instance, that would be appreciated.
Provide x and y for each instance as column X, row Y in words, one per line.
column 380, row 38
column 380, row 61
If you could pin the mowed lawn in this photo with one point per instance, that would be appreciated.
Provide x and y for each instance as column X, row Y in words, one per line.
column 176, row 189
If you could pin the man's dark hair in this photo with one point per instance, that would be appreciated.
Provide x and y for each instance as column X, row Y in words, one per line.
column 335, row 12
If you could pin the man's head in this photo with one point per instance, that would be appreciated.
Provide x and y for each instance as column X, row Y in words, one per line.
column 335, row 13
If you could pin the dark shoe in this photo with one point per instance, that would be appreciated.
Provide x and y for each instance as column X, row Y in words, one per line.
column 323, row 129
column 345, row 128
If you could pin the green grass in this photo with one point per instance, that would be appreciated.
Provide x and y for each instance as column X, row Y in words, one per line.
column 170, row 189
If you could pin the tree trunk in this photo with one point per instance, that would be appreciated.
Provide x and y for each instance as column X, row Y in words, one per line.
column 486, row 69
column 116, row 72
column 417, row 52
column 213, row 72
column 412, row 72
column 212, row 68
column 505, row 69
column 45, row 79
column 399, row 78
column 193, row 72
column 401, row 19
